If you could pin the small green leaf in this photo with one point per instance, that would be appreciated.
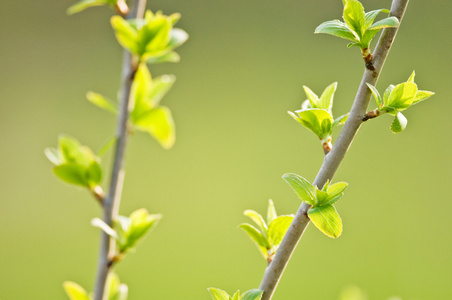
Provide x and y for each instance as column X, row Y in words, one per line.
column 116, row 289
column 402, row 96
column 94, row 174
column 326, row 99
column 252, row 295
column 255, row 235
column 236, row 296
column 159, row 123
column 258, row 219
column 125, row 33
column 96, row 222
column 337, row 28
column 160, row 88
column 84, row 4
column 53, row 155
column 327, row 220
column 72, row 173
column 399, row 123
column 140, row 223
column 371, row 15
column 278, row 228
column 178, row 37
column 354, row 16
column 218, row 294
column 385, row 23
column 75, row 291
column 108, row 144
column 411, row 79
column 387, row 93
column 69, row 149
column 312, row 97
column 102, row 102
column 340, row 120
column 141, row 88
column 303, row 188
column 271, row 212
column 376, row 95
column 317, row 120
column 421, row 96
column 321, row 197
column 168, row 57
column 335, row 192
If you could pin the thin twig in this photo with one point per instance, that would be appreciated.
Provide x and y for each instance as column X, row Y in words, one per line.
column 333, row 159
column 111, row 202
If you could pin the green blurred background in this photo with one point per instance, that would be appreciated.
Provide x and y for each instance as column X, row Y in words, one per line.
column 241, row 70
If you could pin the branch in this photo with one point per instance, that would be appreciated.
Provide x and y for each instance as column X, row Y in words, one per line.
column 334, row 158
column 111, row 202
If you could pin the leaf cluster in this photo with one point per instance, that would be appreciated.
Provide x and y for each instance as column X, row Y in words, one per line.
column 116, row 289
column 316, row 112
column 322, row 213
column 127, row 231
column 398, row 98
column 359, row 27
column 267, row 235
column 151, row 39
column 218, row 294
column 74, row 163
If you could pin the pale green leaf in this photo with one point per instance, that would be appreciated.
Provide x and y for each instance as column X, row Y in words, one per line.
column 399, row 123
column 387, row 93
column 53, row 155
column 317, row 120
column 303, row 188
column 141, row 222
column 102, row 102
column 84, row 4
column 340, row 120
column 252, row 295
column 354, row 16
column 159, row 88
column 141, row 87
column 258, row 219
column 321, row 197
column 335, row 192
column 159, row 123
column 68, row 148
column 327, row 220
column 75, row 291
column 96, row 222
column 411, row 79
column 107, row 145
column 255, row 235
column 72, row 173
column 178, row 37
column 313, row 98
column 421, row 96
column 371, row 15
column 385, row 23
column 376, row 95
column 402, row 96
column 271, row 212
column 236, row 296
column 278, row 228
column 218, row 294
column 125, row 33
column 94, row 174
column 337, row 28
column 168, row 57
column 326, row 99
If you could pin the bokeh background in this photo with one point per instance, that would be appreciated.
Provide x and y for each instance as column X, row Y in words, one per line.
column 241, row 70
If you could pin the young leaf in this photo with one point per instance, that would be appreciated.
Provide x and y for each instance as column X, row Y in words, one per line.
column 160, row 88
column 158, row 122
column 96, row 222
column 387, row 22
column 411, row 79
column 218, row 294
column 278, row 228
column 326, row 99
column 116, row 289
column 354, row 16
column 84, row 4
column 178, row 37
column 168, row 57
column 258, row 219
column 75, row 291
column 236, row 296
column 53, row 155
column 252, row 295
column 72, row 173
column 335, row 191
column 125, row 33
column 327, row 220
column 312, row 97
column 399, row 123
column 376, row 95
column 402, row 96
column 94, row 174
column 303, row 188
column 421, row 96
column 371, row 15
column 102, row 102
column 337, row 28
column 271, row 212
column 340, row 120
column 257, row 237
column 317, row 120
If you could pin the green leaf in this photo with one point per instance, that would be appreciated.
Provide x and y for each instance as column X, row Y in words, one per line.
column 317, row 120
column 178, row 37
column 140, row 223
column 75, row 291
column 125, row 33
column 337, row 28
column 326, row 99
column 94, row 174
column 96, row 222
column 102, row 102
column 411, row 79
column 72, row 173
column 340, row 120
column 252, row 295
column 312, row 97
column 159, row 123
column 354, row 16
column 335, row 192
column 402, row 96
column 421, row 96
column 303, row 188
column 69, row 149
column 278, row 228
column 53, row 155
column 160, row 88
column 376, row 95
column 116, row 289
column 399, row 123
column 271, row 212
column 255, row 235
column 371, row 15
column 321, row 197
column 385, row 23
column 168, row 57
column 108, row 144
column 141, row 88
column 258, row 219
column 84, row 4
column 387, row 93
column 327, row 220
column 218, row 294
column 236, row 296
